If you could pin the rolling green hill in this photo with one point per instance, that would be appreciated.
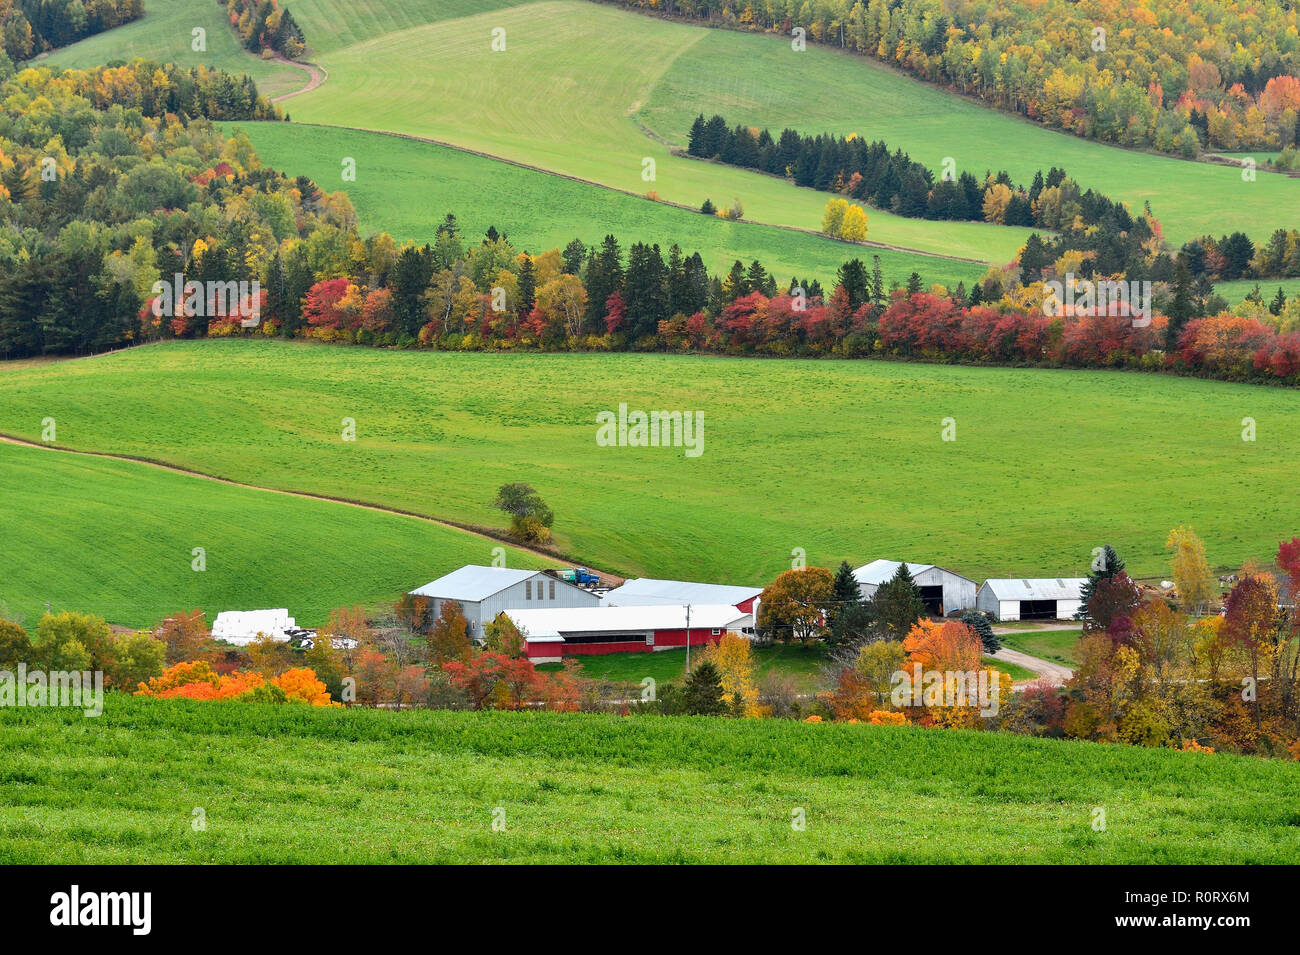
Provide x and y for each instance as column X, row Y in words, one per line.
column 583, row 118
column 298, row 784
column 842, row 459
column 405, row 187
column 116, row 539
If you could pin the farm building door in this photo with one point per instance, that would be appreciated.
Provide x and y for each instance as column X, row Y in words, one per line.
column 1038, row 610
column 933, row 597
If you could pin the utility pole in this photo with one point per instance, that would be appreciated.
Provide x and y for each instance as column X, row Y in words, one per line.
column 688, row 639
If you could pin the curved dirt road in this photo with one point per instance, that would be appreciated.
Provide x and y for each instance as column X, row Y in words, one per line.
column 1057, row 673
column 316, row 76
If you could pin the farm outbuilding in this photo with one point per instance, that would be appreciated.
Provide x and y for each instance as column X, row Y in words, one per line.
column 645, row 591
column 242, row 627
column 484, row 592
column 1036, row 598
column 943, row 591
column 550, row 635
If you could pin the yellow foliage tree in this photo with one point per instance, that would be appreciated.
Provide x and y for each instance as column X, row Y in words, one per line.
column 734, row 657
column 1191, row 571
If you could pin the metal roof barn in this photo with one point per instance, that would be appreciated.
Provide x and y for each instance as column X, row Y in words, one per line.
column 644, row 591
column 485, row 592
column 1031, row 598
column 943, row 591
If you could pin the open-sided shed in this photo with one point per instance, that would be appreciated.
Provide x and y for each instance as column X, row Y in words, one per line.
column 943, row 591
column 1031, row 598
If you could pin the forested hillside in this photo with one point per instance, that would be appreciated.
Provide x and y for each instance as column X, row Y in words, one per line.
column 1200, row 74
column 34, row 26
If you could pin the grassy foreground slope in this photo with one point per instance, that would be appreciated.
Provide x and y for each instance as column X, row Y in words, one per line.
column 361, row 786
column 165, row 34
column 116, row 538
column 842, row 459
column 405, row 187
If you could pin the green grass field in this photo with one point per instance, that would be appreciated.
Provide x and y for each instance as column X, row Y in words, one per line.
column 1061, row 646
column 405, row 187
column 116, row 539
column 361, row 786
column 1235, row 292
column 842, row 459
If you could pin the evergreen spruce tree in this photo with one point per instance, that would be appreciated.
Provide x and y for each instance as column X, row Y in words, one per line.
column 703, row 695
column 979, row 622
column 897, row 604
column 852, row 276
column 695, row 144
column 1104, row 567
column 527, row 285
column 572, row 257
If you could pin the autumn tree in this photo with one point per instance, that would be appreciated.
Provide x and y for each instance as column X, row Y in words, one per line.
column 15, row 645
column 734, row 658
column 184, row 634
column 349, row 626
column 1190, row 569
column 793, row 607
column 73, row 641
column 1110, row 608
column 876, row 664
column 1250, row 619
column 950, row 645
column 449, row 638
column 1104, row 566
column 502, row 636
column 137, row 658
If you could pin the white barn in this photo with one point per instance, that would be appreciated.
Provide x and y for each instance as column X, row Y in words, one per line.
column 1038, row 598
column 484, row 592
column 943, row 591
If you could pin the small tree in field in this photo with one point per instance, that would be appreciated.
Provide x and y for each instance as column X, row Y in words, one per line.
column 530, row 518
